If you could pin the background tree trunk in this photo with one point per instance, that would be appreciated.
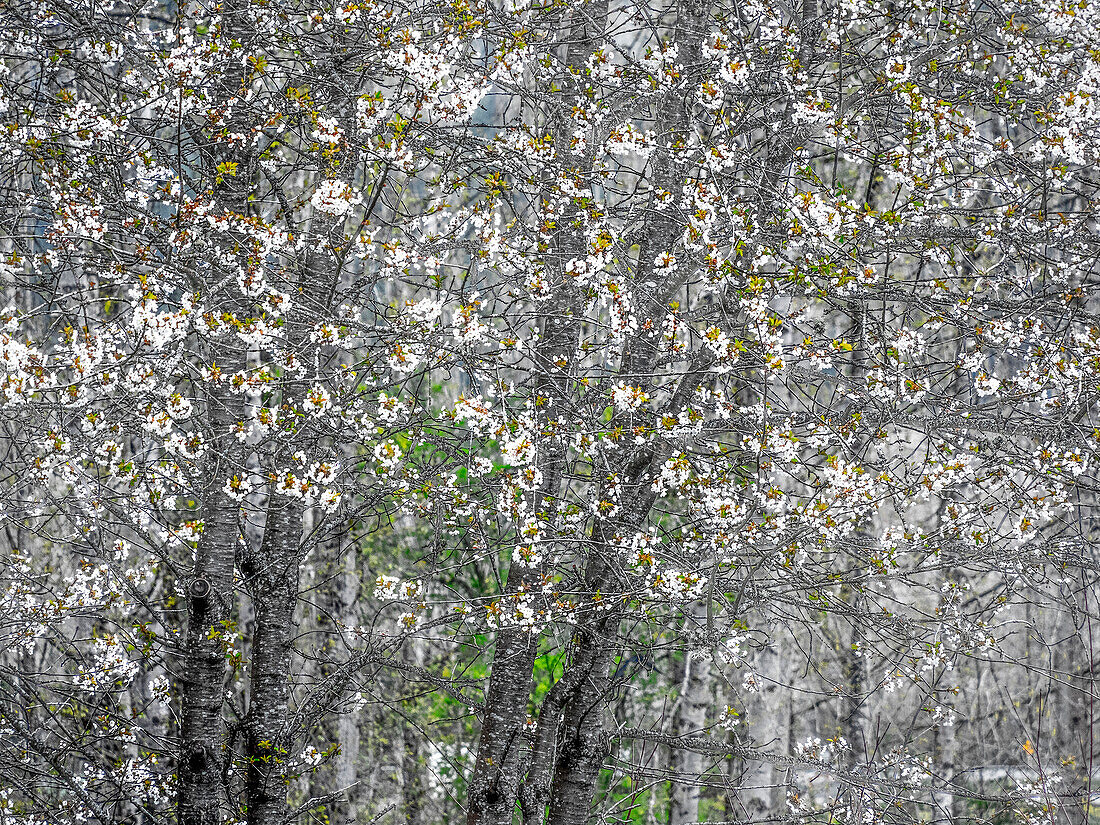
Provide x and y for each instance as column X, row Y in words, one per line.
column 761, row 794
column 696, row 696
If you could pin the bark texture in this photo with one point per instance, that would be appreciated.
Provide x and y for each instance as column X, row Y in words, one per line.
column 210, row 591
column 347, row 726
column 761, row 793
column 504, row 745
column 202, row 676
column 274, row 595
column 690, row 719
column 585, row 744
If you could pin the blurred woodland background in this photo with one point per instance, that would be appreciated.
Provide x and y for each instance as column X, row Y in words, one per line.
column 549, row 411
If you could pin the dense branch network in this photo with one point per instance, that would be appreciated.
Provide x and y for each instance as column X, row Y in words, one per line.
column 561, row 412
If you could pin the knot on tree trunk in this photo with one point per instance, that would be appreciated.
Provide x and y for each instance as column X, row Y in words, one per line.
column 199, row 590
column 197, row 758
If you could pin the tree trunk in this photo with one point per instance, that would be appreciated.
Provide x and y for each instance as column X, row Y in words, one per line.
column 387, row 778
column 536, row 786
column 413, row 786
column 943, row 739
column 1072, row 697
column 855, row 719
column 210, row 591
column 584, row 744
column 274, row 595
column 347, row 726
column 494, row 786
column 504, row 742
column 943, row 800
column 696, row 695
column 210, row 595
column 762, row 792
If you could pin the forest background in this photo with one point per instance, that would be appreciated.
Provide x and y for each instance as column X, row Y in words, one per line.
column 546, row 411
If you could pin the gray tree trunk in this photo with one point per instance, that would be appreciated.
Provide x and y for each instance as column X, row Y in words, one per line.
column 202, row 675
column 274, row 595
column 413, row 764
column 347, row 725
column 690, row 719
column 762, row 791
column 584, row 744
column 210, row 590
column 504, row 745
column 943, row 800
